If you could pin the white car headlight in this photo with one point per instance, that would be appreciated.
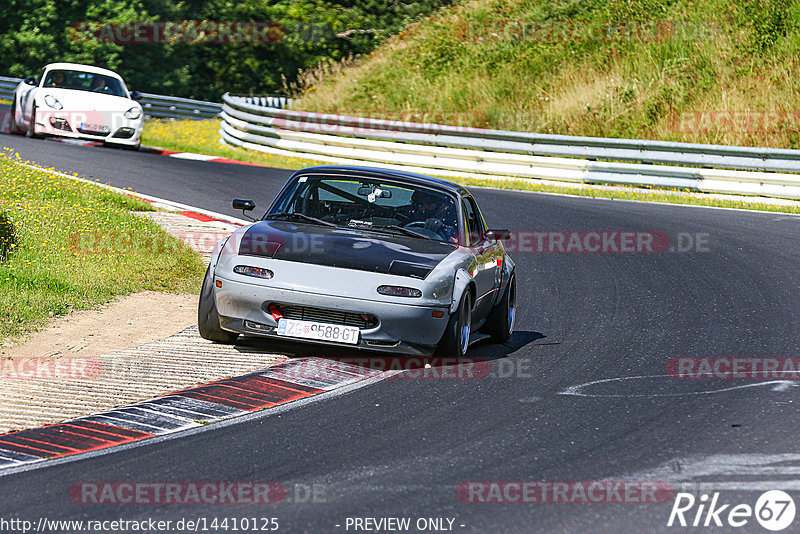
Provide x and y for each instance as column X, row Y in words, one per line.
column 133, row 113
column 53, row 102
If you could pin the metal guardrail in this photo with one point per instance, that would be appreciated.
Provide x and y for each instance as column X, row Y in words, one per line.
column 179, row 108
column 473, row 152
column 154, row 105
column 7, row 86
column 266, row 101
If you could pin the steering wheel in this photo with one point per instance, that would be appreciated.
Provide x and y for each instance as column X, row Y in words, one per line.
column 421, row 228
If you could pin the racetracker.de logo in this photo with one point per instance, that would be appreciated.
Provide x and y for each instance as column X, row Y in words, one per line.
column 380, row 367
column 565, row 492
column 160, row 493
column 730, row 120
column 727, row 368
column 49, row 368
column 604, row 242
column 177, row 31
column 107, row 242
column 575, row 31
column 427, row 122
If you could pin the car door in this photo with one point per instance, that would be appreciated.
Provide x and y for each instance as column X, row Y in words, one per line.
column 485, row 251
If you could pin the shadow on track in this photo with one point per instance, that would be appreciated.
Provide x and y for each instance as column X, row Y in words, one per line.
column 480, row 356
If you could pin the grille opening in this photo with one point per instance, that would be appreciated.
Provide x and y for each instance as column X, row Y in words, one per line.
column 93, row 132
column 258, row 326
column 124, row 133
column 322, row 315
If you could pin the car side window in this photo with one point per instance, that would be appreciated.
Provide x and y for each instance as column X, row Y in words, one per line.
column 473, row 221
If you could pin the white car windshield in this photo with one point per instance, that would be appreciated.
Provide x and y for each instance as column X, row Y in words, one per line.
column 84, row 81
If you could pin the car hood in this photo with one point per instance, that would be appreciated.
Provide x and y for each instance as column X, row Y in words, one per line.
column 347, row 248
column 86, row 101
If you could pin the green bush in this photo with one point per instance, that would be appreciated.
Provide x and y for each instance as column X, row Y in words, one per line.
column 765, row 22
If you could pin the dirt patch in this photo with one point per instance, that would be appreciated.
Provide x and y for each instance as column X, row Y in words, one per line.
column 136, row 348
column 140, row 347
column 129, row 321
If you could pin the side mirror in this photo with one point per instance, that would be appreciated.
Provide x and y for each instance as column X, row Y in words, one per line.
column 498, row 234
column 243, row 204
column 30, row 81
column 136, row 95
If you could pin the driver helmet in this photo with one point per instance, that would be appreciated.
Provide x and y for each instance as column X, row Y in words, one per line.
column 425, row 203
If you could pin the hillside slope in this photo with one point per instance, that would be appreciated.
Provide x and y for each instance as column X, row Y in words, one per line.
column 699, row 71
column 197, row 49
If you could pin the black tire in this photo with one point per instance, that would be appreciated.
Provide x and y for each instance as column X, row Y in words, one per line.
column 455, row 341
column 500, row 323
column 32, row 126
column 14, row 129
column 207, row 316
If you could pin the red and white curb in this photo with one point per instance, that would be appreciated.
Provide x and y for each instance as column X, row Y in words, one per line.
column 274, row 386
column 717, row 196
column 199, row 157
column 159, row 152
column 194, row 407
column 193, row 212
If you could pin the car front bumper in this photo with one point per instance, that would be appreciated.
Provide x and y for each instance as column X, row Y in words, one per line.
column 401, row 328
column 123, row 132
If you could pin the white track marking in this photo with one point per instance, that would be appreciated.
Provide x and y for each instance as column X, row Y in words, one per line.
column 692, row 473
column 778, row 385
column 193, row 156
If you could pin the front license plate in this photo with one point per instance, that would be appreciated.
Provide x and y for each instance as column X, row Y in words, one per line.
column 319, row 331
column 99, row 128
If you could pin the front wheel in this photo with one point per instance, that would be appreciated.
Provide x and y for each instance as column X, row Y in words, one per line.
column 14, row 127
column 207, row 316
column 32, row 126
column 455, row 341
column 500, row 323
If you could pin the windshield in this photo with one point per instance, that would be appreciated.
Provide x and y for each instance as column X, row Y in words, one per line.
column 84, row 81
column 372, row 204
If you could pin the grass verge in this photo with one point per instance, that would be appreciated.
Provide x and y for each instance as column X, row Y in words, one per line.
column 708, row 72
column 665, row 196
column 68, row 245
column 201, row 137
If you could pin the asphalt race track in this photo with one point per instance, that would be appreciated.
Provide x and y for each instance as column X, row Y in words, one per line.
column 401, row 448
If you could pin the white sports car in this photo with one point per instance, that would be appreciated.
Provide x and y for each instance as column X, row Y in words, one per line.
column 78, row 101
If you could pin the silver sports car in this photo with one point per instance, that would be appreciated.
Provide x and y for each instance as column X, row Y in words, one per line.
column 369, row 258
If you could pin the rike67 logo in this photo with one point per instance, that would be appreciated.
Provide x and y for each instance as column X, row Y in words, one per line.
column 774, row 510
